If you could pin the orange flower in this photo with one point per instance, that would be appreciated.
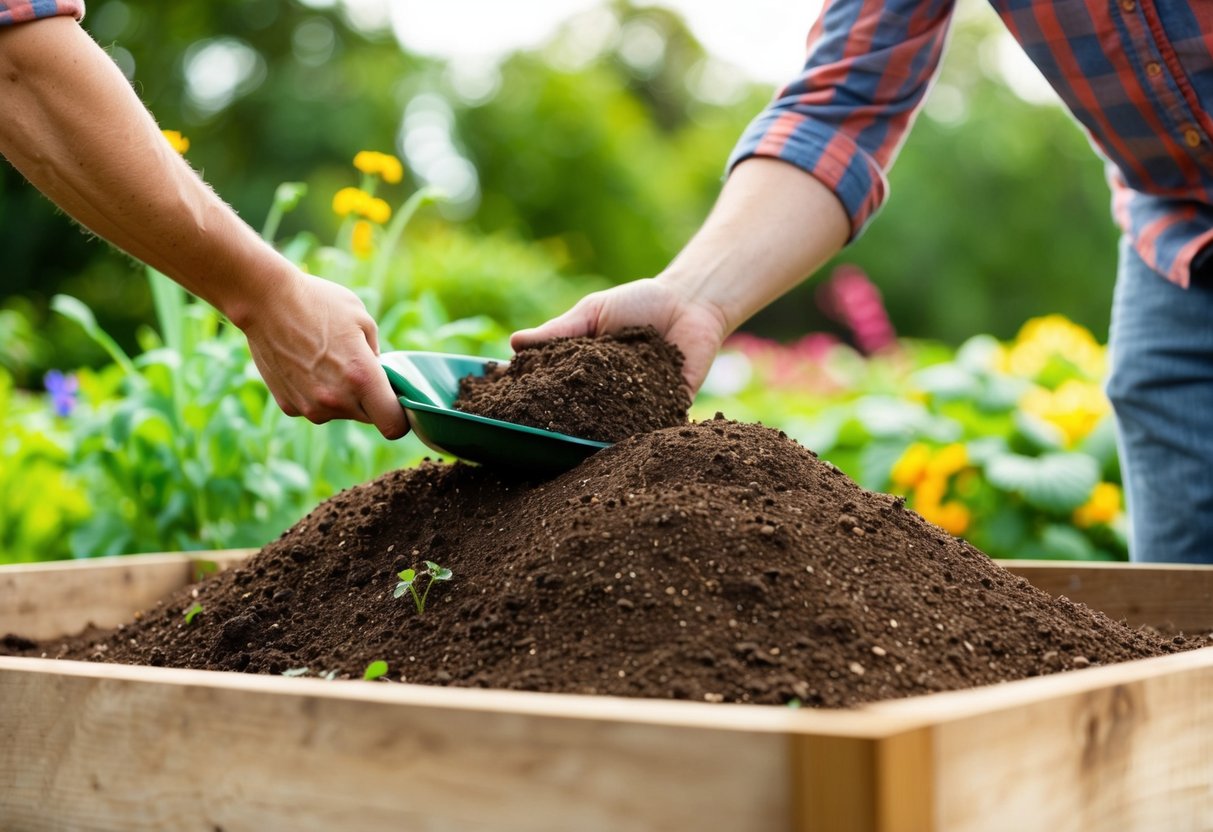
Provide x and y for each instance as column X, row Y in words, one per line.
column 1103, row 506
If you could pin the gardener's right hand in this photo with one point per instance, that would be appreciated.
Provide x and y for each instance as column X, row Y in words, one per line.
column 695, row 326
column 316, row 347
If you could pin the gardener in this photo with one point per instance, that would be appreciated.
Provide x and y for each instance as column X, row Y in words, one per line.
column 70, row 122
column 809, row 173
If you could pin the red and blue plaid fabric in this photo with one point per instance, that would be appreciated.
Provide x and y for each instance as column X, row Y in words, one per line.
column 1138, row 75
column 19, row 11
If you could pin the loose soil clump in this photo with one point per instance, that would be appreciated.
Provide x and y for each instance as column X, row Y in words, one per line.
column 605, row 388
column 715, row 561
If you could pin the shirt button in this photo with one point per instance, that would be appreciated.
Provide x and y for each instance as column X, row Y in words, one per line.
column 1128, row 5
column 1191, row 138
column 1153, row 69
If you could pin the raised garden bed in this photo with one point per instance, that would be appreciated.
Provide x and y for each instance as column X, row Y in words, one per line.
column 96, row 746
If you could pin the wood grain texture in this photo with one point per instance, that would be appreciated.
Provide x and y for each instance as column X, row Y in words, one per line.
column 863, row 784
column 1124, row 748
column 1170, row 596
column 47, row 600
column 92, row 746
column 109, row 748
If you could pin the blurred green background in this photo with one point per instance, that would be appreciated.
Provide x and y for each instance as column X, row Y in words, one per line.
column 587, row 158
column 608, row 162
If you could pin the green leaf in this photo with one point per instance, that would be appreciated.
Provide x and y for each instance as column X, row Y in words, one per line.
column 1068, row 543
column 1058, row 482
column 75, row 310
column 1040, row 434
column 401, row 588
column 408, row 576
column 296, row 671
column 977, row 355
column 192, row 612
column 438, row 573
column 374, row 670
column 947, row 381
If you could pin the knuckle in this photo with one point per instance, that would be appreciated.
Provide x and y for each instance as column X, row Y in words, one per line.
column 328, row 401
column 358, row 377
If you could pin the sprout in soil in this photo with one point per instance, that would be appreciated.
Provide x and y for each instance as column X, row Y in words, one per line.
column 409, row 578
column 374, row 670
column 193, row 611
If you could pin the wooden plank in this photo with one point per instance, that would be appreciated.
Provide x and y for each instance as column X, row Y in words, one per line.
column 89, row 746
column 1170, row 596
column 1124, row 747
column 865, row 785
column 47, row 600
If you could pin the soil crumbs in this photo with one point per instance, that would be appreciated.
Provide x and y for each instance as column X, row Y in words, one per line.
column 605, row 388
column 715, row 561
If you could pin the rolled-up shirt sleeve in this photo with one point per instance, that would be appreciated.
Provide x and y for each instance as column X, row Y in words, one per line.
column 23, row 11
column 868, row 68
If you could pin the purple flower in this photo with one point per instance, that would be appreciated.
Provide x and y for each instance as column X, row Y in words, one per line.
column 62, row 389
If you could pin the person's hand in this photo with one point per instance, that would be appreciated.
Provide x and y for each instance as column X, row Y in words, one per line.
column 696, row 327
column 315, row 346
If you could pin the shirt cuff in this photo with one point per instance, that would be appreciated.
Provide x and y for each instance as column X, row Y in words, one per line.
column 826, row 153
column 27, row 10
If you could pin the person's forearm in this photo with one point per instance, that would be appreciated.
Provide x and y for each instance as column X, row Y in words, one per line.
column 70, row 123
column 773, row 225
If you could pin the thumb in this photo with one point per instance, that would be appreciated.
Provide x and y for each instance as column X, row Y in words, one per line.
column 581, row 320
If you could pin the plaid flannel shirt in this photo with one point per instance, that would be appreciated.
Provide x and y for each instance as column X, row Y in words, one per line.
column 1138, row 75
column 19, row 11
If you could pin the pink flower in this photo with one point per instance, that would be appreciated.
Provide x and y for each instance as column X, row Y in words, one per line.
column 853, row 300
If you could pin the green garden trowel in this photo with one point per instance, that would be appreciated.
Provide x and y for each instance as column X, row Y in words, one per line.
column 427, row 384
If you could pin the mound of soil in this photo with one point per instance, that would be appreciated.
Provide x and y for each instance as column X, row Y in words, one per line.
column 716, row 561
column 606, row 388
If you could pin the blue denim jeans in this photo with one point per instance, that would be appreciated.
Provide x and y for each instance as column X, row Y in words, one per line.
column 1161, row 387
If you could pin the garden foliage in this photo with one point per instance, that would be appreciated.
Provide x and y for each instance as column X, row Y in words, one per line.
column 179, row 446
column 1010, row 445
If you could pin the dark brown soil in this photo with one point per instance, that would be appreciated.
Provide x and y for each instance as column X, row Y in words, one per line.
column 606, row 388
column 716, row 561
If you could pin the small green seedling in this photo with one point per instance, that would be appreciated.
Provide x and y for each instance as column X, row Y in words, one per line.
column 374, row 670
column 192, row 612
column 409, row 578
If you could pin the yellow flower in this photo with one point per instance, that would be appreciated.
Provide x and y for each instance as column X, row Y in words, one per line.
column 361, row 241
column 357, row 201
column 385, row 165
column 177, row 142
column 1075, row 407
column 952, row 517
column 948, row 461
column 350, row 201
column 376, row 210
column 1103, row 506
column 928, row 493
column 366, row 161
column 911, row 466
column 391, row 170
column 1042, row 339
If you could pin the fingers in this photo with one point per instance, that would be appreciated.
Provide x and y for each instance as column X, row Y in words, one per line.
column 381, row 406
column 371, row 331
column 580, row 320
